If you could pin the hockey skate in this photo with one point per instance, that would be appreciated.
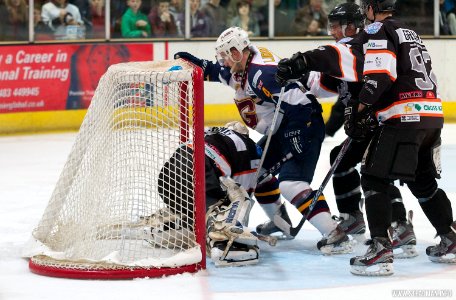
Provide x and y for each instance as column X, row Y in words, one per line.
column 404, row 239
column 352, row 223
column 336, row 242
column 445, row 251
column 270, row 228
column 378, row 260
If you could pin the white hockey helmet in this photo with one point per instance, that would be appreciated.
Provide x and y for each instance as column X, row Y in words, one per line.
column 233, row 37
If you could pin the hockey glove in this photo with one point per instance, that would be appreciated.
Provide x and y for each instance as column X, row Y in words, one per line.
column 202, row 63
column 291, row 68
column 358, row 124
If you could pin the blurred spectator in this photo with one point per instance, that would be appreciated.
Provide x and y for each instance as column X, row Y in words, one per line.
column 162, row 21
column 118, row 8
column 282, row 16
column 16, row 22
column 176, row 8
column 311, row 19
column 63, row 18
column 42, row 31
column 245, row 19
column 216, row 15
column 198, row 21
column 97, row 11
column 86, row 13
column 134, row 23
column 448, row 17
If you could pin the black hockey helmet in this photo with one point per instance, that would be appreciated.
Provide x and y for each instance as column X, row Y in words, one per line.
column 347, row 13
column 379, row 5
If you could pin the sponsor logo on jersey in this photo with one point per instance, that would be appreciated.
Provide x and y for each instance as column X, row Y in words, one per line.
column 410, row 95
column 255, row 77
column 377, row 44
column 408, row 36
column 430, row 94
column 410, row 118
column 378, row 62
column 373, row 28
column 436, row 107
column 410, row 107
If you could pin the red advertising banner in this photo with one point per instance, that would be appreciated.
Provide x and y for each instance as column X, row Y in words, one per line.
column 58, row 77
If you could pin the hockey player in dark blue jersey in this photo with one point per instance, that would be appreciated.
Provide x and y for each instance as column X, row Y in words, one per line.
column 250, row 70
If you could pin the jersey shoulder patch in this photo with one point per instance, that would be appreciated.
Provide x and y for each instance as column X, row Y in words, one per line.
column 373, row 28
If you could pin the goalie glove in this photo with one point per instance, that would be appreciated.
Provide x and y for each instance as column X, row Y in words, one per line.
column 359, row 124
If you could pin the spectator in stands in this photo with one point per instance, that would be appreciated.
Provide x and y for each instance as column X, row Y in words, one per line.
column 176, row 8
column 134, row 23
column 118, row 8
column 282, row 16
column 448, row 16
column 59, row 15
column 42, row 31
column 216, row 15
column 86, row 13
column 245, row 19
column 311, row 19
column 162, row 21
column 97, row 11
column 198, row 20
column 16, row 21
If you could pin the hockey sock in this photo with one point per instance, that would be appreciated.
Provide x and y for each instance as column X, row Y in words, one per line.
column 303, row 200
column 268, row 196
column 439, row 212
column 347, row 190
column 398, row 209
column 378, row 211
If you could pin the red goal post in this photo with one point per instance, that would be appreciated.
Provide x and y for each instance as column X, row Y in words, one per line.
column 108, row 218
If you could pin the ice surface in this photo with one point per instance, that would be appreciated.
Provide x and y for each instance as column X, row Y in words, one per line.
column 30, row 166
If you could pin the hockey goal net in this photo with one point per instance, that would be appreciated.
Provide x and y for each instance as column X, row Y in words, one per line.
column 109, row 217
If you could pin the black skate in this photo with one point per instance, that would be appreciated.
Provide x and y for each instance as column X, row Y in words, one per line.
column 336, row 242
column 352, row 223
column 378, row 260
column 445, row 251
column 270, row 228
column 404, row 239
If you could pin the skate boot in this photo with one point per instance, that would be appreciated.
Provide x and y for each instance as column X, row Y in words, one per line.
column 378, row 260
column 352, row 223
column 445, row 251
column 336, row 242
column 270, row 228
column 404, row 239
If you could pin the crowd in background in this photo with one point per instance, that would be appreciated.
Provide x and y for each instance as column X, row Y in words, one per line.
column 85, row 19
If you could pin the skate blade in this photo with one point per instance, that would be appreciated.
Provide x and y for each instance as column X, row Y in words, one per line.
column 342, row 248
column 446, row 259
column 405, row 252
column 359, row 237
column 382, row 269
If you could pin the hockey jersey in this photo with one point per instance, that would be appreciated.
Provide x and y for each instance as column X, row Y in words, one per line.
column 232, row 154
column 257, row 92
column 396, row 69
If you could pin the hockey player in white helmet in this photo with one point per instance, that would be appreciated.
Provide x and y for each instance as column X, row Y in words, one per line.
column 250, row 70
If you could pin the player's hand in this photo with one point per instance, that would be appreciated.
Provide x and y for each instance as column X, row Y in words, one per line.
column 291, row 68
column 202, row 63
column 359, row 122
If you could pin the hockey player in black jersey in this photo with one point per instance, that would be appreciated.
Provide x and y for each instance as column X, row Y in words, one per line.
column 345, row 21
column 400, row 93
column 250, row 70
column 231, row 160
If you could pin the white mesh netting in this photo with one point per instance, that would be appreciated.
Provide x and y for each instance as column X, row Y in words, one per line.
column 116, row 204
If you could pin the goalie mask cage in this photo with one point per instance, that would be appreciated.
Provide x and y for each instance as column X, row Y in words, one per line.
column 108, row 218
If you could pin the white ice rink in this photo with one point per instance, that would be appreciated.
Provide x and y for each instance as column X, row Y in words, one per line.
column 30, row 166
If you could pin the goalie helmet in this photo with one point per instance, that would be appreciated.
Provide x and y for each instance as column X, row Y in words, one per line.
column 378, row 5
column 347, row 13
column 233, row 37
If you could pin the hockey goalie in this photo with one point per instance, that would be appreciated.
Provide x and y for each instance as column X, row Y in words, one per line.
column 231, row 160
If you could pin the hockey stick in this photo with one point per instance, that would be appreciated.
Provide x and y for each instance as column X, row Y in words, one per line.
column 268, row 140
column 293, row 231
column 274, row 168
